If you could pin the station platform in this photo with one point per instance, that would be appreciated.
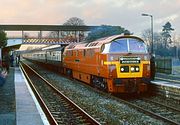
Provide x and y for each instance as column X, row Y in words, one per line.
column 167, row 85
column 7, row 101
column 167, row 80
column 21, row 105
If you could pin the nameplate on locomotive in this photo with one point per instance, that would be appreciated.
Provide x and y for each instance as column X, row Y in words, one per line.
column 129, row 60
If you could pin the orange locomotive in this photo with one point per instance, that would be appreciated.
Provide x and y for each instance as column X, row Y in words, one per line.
column 117, row 64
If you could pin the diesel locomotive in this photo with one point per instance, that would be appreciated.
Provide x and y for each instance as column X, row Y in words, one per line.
column 116, row 64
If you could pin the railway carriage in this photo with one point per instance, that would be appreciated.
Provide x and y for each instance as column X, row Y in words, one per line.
column 117, row 64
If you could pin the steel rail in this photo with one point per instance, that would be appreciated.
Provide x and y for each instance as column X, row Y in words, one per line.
column 169, row 107
column 48, row 114
column 88, row 118
column 141, row 109
column 147, row 111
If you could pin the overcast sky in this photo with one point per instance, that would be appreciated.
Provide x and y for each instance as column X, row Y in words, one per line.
column 126, row 13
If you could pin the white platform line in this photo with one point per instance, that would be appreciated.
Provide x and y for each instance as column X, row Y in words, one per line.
column 170, row 80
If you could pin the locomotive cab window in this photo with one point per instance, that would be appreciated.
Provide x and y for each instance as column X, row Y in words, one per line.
column 137, row 46
column 119, row 45
column 125, row 45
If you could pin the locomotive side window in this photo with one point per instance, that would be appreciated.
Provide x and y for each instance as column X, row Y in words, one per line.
column 76, row 52
column 70, row 53
column 84, row 52
column 91, row 53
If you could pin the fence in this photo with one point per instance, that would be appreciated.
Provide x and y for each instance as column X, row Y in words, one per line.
column 176, row 67
column 164, row 65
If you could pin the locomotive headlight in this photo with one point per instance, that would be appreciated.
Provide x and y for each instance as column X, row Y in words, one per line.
column 138, row 58
column 132, row 69
column 122, row 69
column 137, row 69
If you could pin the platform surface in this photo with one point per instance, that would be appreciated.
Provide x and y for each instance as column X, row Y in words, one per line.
column 26, row 109
column 166, row 83
column 7, row 100
column 169, row 80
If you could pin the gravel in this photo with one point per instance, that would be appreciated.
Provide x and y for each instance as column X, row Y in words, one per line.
column 103, row 107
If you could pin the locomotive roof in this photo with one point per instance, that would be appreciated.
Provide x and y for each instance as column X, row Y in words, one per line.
column 98, row 43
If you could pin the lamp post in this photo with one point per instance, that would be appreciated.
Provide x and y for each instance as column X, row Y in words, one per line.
column 151, row 30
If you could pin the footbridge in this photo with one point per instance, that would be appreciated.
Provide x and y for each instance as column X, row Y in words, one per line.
column 60, row 38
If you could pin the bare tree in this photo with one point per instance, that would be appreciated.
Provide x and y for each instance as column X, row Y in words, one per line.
column 26, row 35
column 74, row 21
column 146, row 35
column 53, row 34
column 176, row 44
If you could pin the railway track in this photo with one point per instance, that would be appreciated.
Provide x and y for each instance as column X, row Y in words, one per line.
column 58, row 108
column 168, row 94
column 168, row 101
column 164, row 112
column 141, row 109
column 166, row 91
